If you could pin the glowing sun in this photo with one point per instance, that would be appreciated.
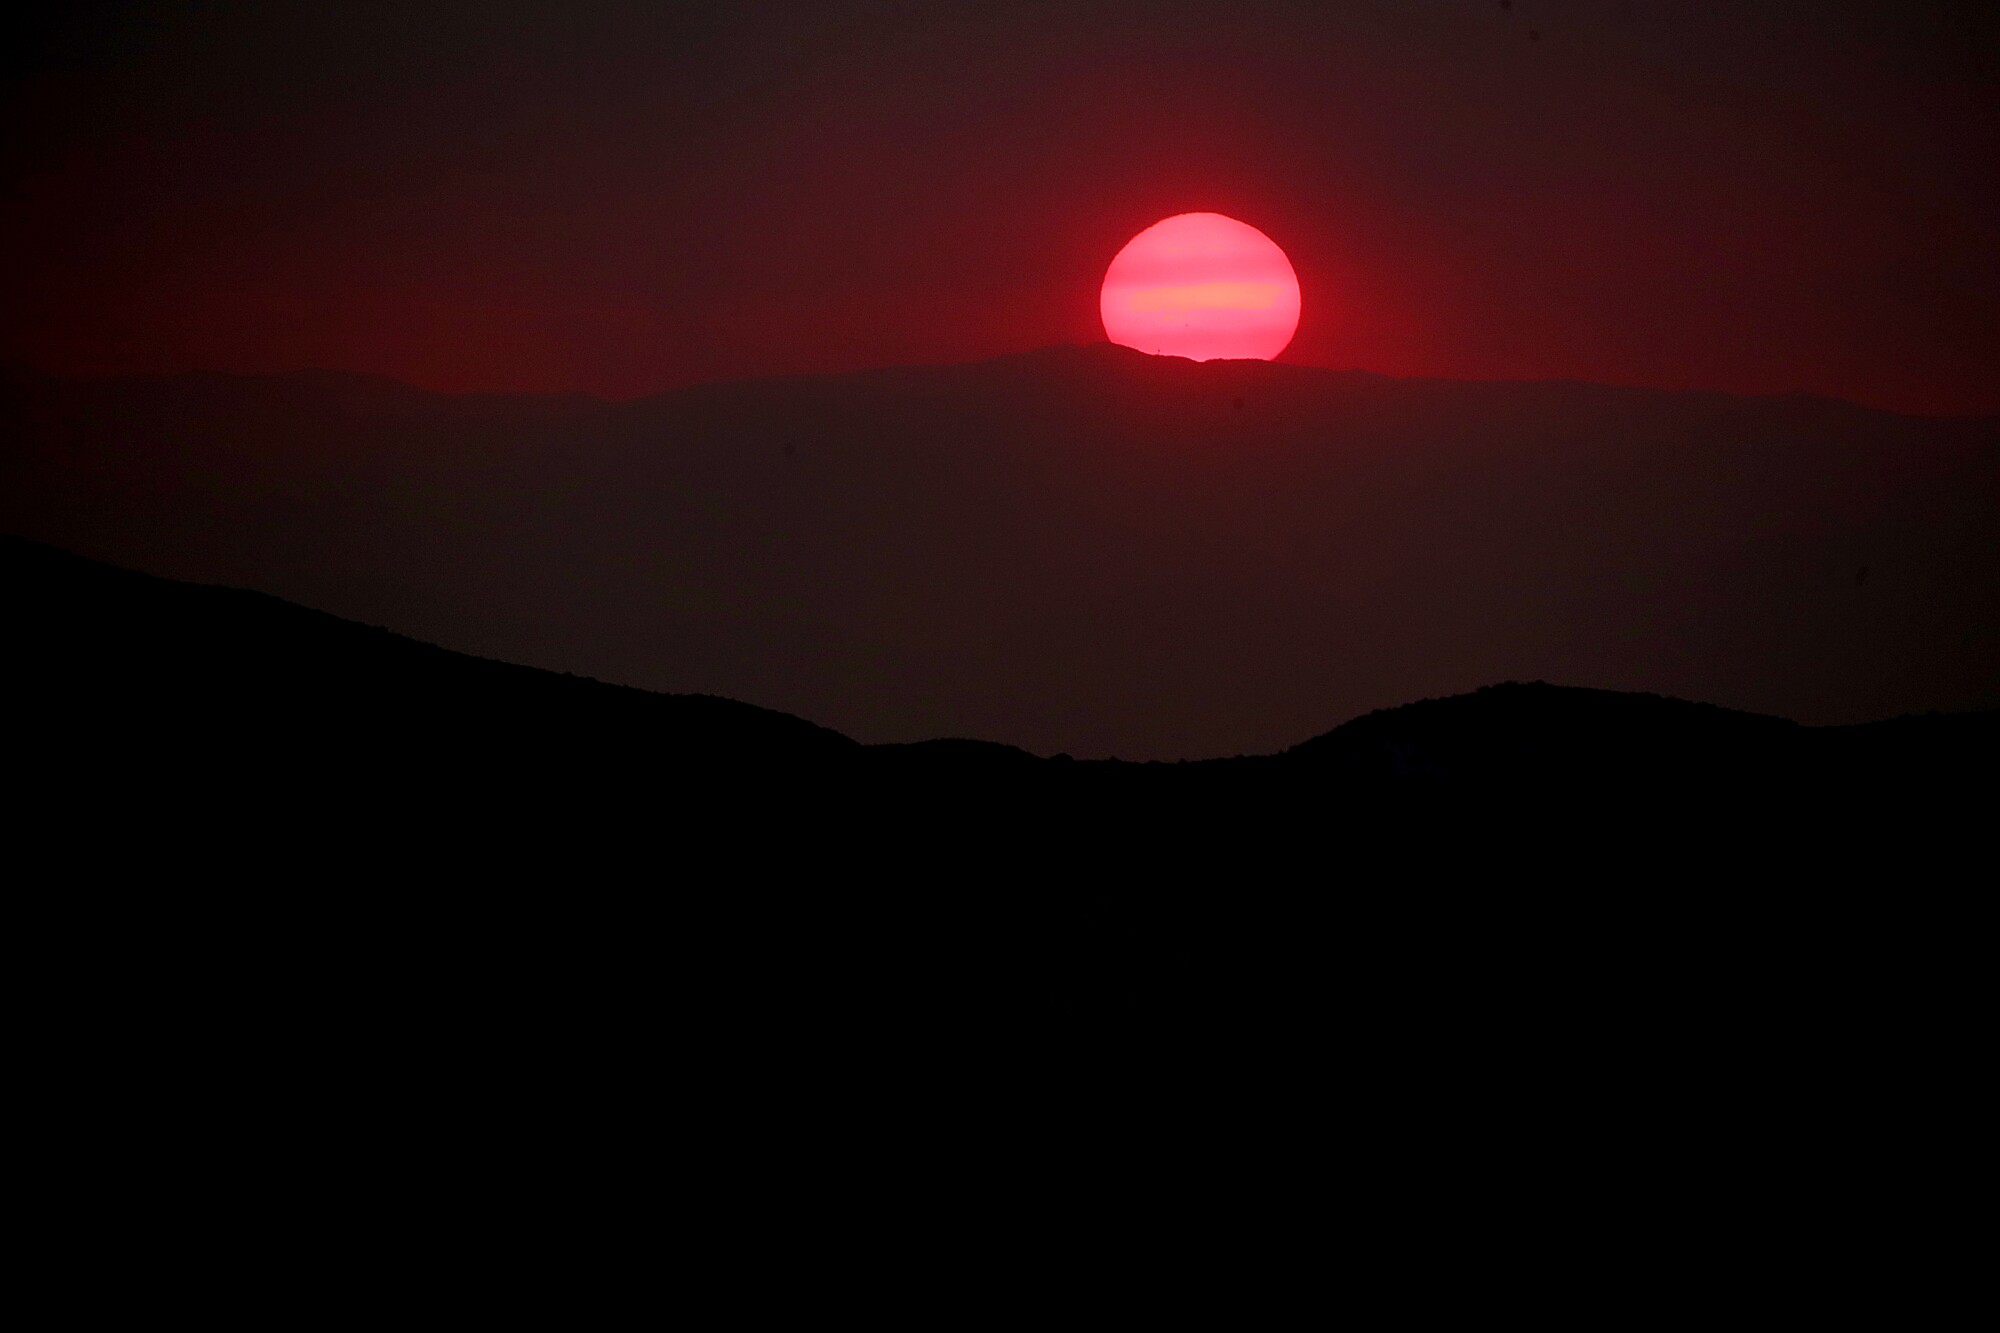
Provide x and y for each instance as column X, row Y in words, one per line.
column 1203, row 286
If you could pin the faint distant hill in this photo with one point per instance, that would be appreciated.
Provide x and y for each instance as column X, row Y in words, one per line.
column 1080, row 549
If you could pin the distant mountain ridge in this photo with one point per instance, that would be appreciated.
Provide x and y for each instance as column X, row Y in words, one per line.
column 1079, row 549
column 363, row 385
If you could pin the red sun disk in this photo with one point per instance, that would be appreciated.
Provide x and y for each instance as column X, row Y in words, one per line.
column 1202, row 286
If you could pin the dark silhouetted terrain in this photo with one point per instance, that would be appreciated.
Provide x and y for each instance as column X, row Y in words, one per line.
column 1079, row 550
column 164, row 712
column 305, row 892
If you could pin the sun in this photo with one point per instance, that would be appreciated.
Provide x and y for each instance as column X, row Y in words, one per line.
column 1202, row 286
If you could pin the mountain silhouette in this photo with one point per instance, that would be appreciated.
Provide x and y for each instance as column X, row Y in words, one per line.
column 161, row 708
column 150, row 667
column 1080, row 549
column 305, row 881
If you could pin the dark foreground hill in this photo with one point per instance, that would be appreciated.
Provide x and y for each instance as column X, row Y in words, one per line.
column 1081, row 549
column 160, row 713
column 314, row 913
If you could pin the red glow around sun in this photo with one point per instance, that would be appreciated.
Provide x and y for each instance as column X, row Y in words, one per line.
column 1203, row 286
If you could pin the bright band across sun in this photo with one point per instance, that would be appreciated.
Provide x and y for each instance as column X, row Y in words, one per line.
column 1202, row 286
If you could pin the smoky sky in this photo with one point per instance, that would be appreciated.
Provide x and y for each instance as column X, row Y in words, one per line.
column 623, row 198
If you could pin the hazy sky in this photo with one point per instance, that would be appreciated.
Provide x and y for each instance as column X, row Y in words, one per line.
column 626, row 197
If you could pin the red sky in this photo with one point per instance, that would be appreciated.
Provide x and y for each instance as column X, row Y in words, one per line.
column 628, row 197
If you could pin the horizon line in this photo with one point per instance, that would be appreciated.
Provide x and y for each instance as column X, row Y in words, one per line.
column 13, row 366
